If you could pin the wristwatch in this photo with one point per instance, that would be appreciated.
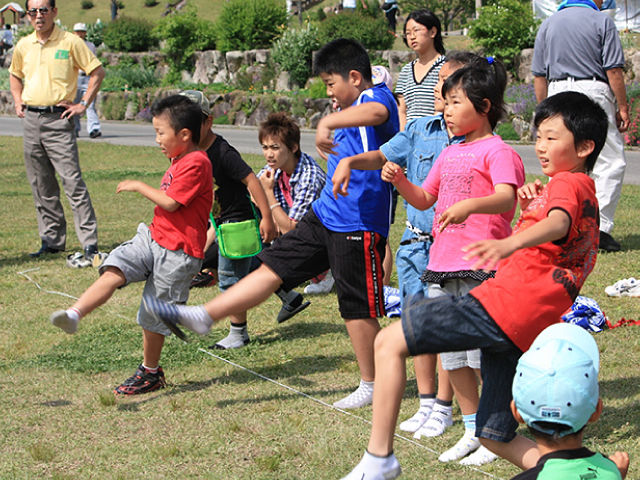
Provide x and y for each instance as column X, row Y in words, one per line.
column 83, row 102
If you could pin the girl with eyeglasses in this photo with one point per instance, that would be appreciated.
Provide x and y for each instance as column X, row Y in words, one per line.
column 414, row 90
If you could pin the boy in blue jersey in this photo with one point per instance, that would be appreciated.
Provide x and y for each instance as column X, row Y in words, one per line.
column 346, row 234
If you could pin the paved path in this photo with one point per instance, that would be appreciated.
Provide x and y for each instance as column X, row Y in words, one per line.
column 245, row 139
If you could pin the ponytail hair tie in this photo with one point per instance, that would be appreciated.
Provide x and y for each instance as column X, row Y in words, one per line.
column 490, row 60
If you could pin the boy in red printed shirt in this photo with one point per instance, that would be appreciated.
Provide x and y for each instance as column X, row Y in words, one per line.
column 543, row 265
column 167, row 254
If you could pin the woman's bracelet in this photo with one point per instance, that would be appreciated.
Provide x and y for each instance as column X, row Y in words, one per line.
column 274, row 206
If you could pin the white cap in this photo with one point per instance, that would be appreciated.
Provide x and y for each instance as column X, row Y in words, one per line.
column 80, row 27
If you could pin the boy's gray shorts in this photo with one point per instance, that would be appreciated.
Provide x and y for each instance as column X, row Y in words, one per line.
column 167, row 273
column 456, row 288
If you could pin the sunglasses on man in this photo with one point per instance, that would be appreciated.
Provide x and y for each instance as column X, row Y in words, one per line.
column 34, row 11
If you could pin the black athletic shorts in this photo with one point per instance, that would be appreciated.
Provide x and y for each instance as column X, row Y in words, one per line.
column 355, row 259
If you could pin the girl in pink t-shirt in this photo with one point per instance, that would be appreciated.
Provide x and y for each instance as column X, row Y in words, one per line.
column 475, row 185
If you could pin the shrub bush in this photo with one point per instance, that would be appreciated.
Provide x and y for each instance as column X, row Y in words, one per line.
column 317, row 88
column 249, row 24
column 128, row 77
column 86, row 4
column 129, row 35
column 293, row 51
column 371, row 32
column 95, row 33
column 507, row 132
column 504, row 29
column 150, row 3
column 184, row 34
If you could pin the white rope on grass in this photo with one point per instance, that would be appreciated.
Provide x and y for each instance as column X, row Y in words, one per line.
column 317, row 400
column 54, row 292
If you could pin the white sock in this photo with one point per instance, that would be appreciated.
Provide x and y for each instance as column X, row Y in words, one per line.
column 439, row 420
column 359, row 398
column 74, row 314
column 195, row 318
column 480, row 457
column 420, row 417
column 374, row 467
column 62, row 320
column 467, row 444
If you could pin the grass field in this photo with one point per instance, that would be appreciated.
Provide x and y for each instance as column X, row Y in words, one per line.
column 217, row 420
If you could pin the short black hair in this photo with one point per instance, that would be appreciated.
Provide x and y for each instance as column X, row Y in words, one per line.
column 583, row 117
column 428, row 19
column 462, row 57
column 182, row 113
column 560, row 432
column 484, row 78
column 340, row 56
column 280, row 126
column 52, row 4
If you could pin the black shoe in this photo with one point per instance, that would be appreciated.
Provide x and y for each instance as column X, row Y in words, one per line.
column 288, row 310
column 608, row 244
column 90, row 251
column 141, row 382
column 44, row 250
column 203, row 279
column 95, row 134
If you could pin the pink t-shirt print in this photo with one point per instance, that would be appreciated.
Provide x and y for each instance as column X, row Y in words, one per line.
column 470, row 170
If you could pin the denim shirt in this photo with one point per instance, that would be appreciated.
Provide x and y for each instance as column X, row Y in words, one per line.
column 417, row 148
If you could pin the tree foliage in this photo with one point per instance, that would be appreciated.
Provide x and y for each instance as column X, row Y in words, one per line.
column 249, row 24
column 293, row 51
column 504, row 29
column 183, row 34
column 372, row 32
column 447, row 11
column 129, row 35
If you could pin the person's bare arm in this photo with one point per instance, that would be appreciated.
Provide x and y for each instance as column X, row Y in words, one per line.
column 267, row 227
column 413, row 194
column 373, row 160
column 95, row 80
column 540, row 86
column 280, row 217
column 16, row 92
column 621, row 459
column 364, row 115
column 158, row 197
column 489, row 252
column 616, row 82
column 500, row 202
column 402, row 112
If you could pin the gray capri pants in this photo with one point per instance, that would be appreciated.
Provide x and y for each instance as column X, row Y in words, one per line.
column 167, row 273
column 456, row 288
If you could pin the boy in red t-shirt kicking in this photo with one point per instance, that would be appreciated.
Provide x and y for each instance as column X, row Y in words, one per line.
column 168, row 253
column 543, row 265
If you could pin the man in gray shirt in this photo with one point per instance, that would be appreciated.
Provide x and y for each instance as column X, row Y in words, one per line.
column 578, row 49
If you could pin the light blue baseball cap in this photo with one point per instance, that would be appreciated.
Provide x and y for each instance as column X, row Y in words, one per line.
column 557, row 379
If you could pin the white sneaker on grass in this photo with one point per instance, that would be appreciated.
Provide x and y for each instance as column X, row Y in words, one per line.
column 361, row 397
column 627, row 287
column 467, row 444
column 414, row 423
column 375, row 468
column 480, row 457
column 320, row 286
column 438, row 422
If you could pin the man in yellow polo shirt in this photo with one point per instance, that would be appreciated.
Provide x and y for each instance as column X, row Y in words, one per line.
column 44, row 78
